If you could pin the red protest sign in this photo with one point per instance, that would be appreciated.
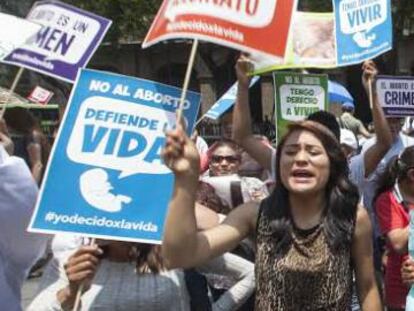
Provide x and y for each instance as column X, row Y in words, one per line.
column 40, row 95
column 249, row 25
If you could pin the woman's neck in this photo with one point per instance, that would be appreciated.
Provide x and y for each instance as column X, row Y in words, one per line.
column 307, row 210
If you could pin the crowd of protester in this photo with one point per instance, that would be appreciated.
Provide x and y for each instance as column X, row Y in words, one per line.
column 320, row 222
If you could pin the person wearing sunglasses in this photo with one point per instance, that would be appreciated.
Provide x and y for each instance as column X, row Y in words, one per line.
column 393, row 201
column 224, row 165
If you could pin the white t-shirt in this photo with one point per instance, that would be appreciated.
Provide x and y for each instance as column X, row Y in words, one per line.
column 370, row 184
column 18, row 248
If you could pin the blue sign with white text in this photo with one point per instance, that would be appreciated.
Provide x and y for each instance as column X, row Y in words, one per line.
column 226, row 101
column 106, row 178
column 363, row 29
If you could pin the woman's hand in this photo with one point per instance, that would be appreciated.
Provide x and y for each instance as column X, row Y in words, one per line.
column 243, row 66
column 369, row 74
column 180, row 154
column 407, row 272
column 80, row 270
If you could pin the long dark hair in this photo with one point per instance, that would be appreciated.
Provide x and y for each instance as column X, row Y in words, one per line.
column 149, row 258
column 396, row 169
column 341, row 195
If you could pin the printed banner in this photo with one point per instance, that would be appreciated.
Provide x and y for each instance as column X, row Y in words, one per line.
column 396, row 95
column 260, row 26
column 311, row 44
column 106, row 178
column 40, row 95
column 226, row 101
column 22, row 30
column 297, row 96
column 363, row 29
column 66, row 42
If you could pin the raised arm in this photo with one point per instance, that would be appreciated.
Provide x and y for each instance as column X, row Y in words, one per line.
column 242, row 123
column 183, row 245
column 384, row 138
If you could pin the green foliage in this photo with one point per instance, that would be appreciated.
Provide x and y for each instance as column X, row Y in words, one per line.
column 131, row 19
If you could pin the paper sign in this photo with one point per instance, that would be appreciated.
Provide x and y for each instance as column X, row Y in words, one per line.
column 66, row 42
column 311, row 44
column 297, row 96
column 260, row 26
column 363, row 29
column 22, row 30
column 396, row 95
column 112, row 183
column 226, row 101
column 40, row 95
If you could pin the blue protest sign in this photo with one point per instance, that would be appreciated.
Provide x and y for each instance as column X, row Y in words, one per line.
column 67, row 40
column 363, row 29
column 226, row 101
column 106, row 178
column 396, row 95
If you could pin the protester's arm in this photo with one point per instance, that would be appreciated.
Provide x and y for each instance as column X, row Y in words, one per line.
column 206, row 218
column 407, row 272
column 392, row 224
column 242, row 123
column 79, row 269
column 362, row 256
column 384, row 138
column 182, row 245
column 18, row 193
column 238, row 269
column 398, row 239
column 63, row 275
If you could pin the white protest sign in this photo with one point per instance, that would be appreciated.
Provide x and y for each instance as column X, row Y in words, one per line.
column 122, row 146
column 357, row 15
column 396, row 95
column 14, row 32
column 246, row 13
column 67, row 40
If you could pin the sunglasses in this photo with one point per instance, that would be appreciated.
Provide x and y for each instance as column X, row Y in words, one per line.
column 229, row 159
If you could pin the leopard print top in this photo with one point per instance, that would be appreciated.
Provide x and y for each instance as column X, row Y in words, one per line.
column 307, row 277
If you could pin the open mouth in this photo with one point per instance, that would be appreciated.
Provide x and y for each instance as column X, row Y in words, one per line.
column 298, row 173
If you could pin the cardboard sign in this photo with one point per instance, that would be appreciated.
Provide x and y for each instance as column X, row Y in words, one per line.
column 226, row 101
column 22, row 30
column 66, row 42
column 311, row 44
column 260, row 26
column 40, row 95
column 297, row 96
column 396, row 95
column 363, row 29
column 106, row 177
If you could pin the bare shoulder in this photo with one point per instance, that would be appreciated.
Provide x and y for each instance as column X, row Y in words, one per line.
column 363, row 223
column 244, row 217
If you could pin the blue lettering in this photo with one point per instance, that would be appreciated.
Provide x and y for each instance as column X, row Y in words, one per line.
column 91, row 141
column 364, row 15
column 113, row 137
column 90, row 113
column 125, row 149
column 155, row 152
